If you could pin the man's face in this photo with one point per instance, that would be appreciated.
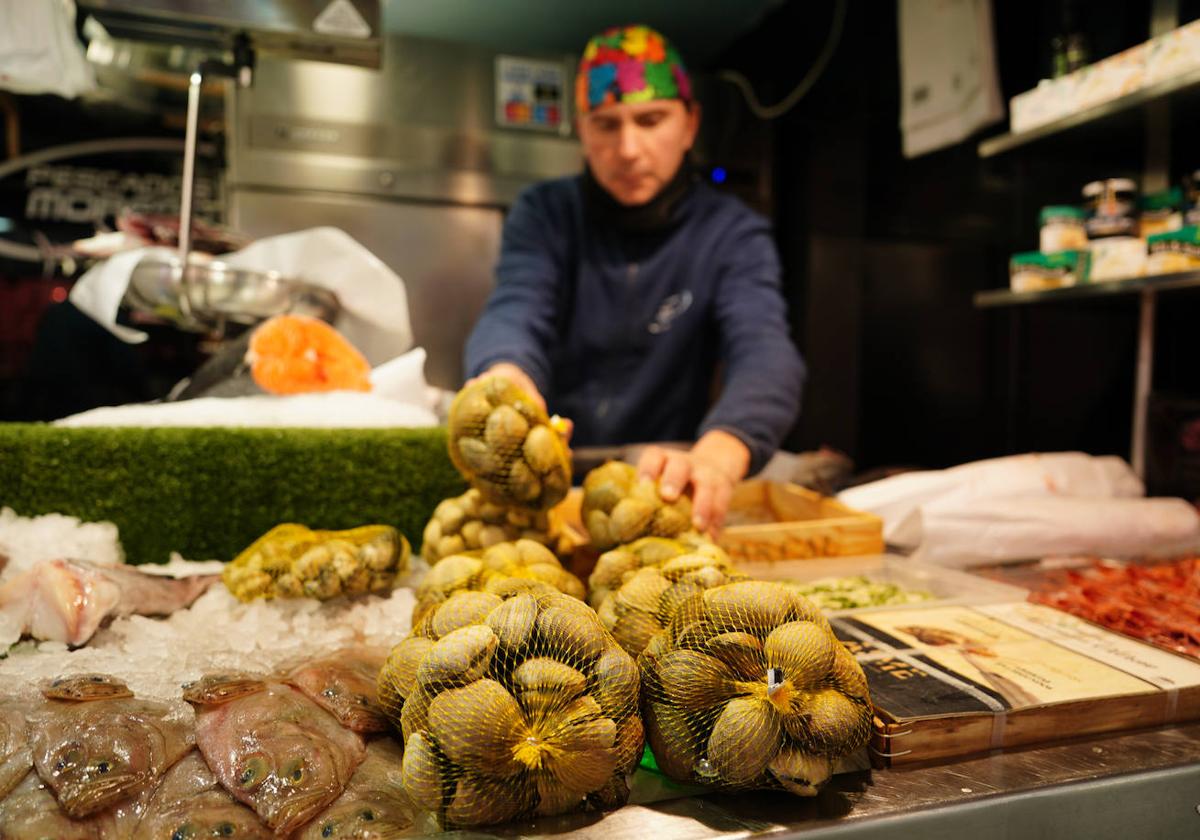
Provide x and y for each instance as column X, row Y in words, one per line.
column 635, row 148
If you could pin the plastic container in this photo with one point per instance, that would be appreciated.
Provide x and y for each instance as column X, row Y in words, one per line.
column 948, row 586
column 1117, row 258
column 1162, row 212
column 1112, row 208
column 1035, row 271
column 1062, row 229
column 1174, row 251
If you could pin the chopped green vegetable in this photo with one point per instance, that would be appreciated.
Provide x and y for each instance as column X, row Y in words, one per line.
column 857, row 592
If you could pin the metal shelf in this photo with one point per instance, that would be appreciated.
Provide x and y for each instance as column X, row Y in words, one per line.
column 1105, row 289
column 1160, row 91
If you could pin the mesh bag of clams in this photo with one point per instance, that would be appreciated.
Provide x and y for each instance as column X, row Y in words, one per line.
column 470, row 522
column 511, row 705
column 642, row 605
column 293, row 561
column 614, row 566
column 494, row 569
column 749, row 688
column 620, row 507
column 506, row 446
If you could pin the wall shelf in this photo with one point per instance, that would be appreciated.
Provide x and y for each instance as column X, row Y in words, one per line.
column 1105, row 289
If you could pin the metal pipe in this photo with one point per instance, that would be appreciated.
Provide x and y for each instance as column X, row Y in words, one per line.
column 186, row 191
column 1143, row 380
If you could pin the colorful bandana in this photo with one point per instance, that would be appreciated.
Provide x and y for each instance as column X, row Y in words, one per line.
column 629, row 64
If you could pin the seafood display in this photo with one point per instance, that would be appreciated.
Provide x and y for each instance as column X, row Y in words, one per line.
column 343, row 684
column 374, row 805
column 293, row 561
column 620, row 507
column 190, row 803
column 749, row 688
column 68, row 600
column 513, row 706
column 507, row 447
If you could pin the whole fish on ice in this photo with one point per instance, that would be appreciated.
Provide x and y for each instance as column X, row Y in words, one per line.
column 68, row 600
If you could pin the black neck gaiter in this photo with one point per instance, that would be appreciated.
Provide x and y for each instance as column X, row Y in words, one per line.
column 655, row 216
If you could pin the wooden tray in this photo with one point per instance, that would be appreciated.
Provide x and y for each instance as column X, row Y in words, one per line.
column 771, row 520
column 953, row 681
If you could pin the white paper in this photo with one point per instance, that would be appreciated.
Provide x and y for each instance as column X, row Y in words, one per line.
column 374, row 315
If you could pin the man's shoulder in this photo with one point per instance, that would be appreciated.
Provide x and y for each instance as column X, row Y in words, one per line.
column 726, row 212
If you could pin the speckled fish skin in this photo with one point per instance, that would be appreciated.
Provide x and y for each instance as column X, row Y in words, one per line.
column 67, row 600
column 190, row 803
column 99, row 753
column 278, row 752
column 344, row 684
column 374, row 806
column 15, row 758
column 29, row 812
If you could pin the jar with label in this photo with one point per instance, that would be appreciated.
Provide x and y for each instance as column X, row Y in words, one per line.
column 1062, row 229
column 1191, row 189
column 1112, row 208
column 1162, row 212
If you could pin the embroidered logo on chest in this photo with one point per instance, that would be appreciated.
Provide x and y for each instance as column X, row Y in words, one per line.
column 670, row 309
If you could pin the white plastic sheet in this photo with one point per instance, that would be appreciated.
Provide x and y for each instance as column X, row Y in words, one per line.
column 39, row 52
column 1026, row 506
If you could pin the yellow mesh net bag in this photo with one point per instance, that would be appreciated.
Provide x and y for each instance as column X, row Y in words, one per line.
column 619, row 507
column 527, row 707
column 470, row 522
column 749, row 688
column 506, row 446
column 293, row 561
column 614, row 566
column 491, row 570
column 642, row 606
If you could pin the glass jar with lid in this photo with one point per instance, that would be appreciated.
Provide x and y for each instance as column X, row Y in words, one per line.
column 1062, row 229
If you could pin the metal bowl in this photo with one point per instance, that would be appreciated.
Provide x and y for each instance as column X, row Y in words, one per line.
column 212, row 293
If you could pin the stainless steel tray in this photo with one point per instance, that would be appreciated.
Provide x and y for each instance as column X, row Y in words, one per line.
column 212, row 293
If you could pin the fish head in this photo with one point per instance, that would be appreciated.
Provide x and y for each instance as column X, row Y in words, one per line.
column 288, row 774
column 98, row 769
column 84, row 687
column 347, row 691
column 215, row 689
column 212, row 815
column 359, row 820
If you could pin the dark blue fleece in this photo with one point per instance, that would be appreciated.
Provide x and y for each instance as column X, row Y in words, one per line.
column 623, row 332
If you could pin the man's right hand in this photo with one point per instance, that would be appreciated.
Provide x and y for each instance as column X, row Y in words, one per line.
column 516, row 376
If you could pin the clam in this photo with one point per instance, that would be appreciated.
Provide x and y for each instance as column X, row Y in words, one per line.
column 459, row 657
column 829, row 723
column 631, row 737
column 676, row 598
column 523, row 484
column 483, row 802
column 478, row 457
column 599, row 528
column 471, row 532
column 501, row 557
column 693, row 681
column 468, row 413
column 531, row 552
column 461, row 609
column 847, row 675
column 602, row 494
column 478, row 726
column 543, row 684
column 670, row 520
column 675, row 745
column 414, row 715
column 642, row 591
column 452, row 572
column 398, row 676
column 574, row 637
column 449, row 515
column 543, row 450
column 616, row 683
column 505, row 430
column 422, row 773
column 506, row 587
column 751, row 606
column 514, row 620
column 554, row 797
column 742, row 652
column 804, row 651
column 675, row 568
column 451, row 545
column 630, row 519
column 744, row 739
column 799, row 772
column 491, row 535
column 634, row 630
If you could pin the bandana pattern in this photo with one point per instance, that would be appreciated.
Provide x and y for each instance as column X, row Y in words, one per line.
column 629, row 64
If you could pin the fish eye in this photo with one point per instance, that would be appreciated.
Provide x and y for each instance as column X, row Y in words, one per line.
column 103, row 766
column 70, row 757
column 253, row 771
column 368, row 815
column 327, row 829
column 225, row 829
column 294, row 772
column 186, row 831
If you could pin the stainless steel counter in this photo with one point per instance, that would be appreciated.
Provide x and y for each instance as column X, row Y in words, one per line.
column 1138, row 785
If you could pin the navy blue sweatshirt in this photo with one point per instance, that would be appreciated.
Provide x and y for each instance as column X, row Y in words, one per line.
column 622, row 332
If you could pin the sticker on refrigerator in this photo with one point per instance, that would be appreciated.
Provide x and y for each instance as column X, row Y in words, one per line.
column 530, row 94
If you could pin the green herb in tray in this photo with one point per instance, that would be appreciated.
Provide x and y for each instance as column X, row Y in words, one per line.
column 857, row 592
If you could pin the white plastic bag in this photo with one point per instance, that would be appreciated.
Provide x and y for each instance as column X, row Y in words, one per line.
column 1026, row 506
column 39, row 52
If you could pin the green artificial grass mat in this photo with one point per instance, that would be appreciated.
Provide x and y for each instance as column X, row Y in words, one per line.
column 209, row 492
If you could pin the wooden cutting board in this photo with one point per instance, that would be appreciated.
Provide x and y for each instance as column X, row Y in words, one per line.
column 951, row 681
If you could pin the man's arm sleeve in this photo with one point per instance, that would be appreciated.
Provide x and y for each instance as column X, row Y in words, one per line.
column 518, row 323
column 763, row 371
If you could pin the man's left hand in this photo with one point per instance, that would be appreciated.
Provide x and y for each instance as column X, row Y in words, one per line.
column 712, row 467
